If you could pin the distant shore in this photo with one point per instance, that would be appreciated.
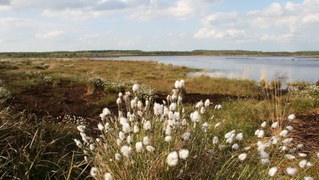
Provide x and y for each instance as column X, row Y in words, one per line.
column 117, row 53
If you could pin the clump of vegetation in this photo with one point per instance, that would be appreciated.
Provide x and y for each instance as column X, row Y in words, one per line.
column 169, row 141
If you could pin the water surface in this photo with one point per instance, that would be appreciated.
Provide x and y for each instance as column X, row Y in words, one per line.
column 243, row 67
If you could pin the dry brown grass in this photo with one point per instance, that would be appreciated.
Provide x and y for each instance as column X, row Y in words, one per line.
column 156, row 75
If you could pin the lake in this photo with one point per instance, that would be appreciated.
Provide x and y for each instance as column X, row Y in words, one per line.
column 288, row 69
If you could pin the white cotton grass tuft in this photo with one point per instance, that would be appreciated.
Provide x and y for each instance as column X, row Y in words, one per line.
column 81, row 128
column 290, row 157
column 291, row 117
column 195, row 116
column 186, row 136
column 263, row 124
column 283, row 133
column 303, row 163
column 117, row 156
column 239, row 137
column 126, row 151
column 215, row 140
column 108, row 176
column 291, row 171
column 172, row 159
column 272, row 171
column 183, row 154
column 168, row 139
column 242, row 156
column 308, row 178
column 94, row 171
column 150, row 148
column 302, row 154
column 147, row 126
column 275, row 125
column 100, row 126
column 135, row 87
column 235, row 146
column 139, row 146
column 218, row 107
column 207, row 103
column 146, row 140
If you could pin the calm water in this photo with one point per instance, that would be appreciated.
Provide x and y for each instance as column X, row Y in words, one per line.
column 239, row 67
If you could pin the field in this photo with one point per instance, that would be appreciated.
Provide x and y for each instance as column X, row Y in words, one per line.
column 68, row 118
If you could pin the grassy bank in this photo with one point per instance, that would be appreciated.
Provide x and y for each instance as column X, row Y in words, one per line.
column 45, row 102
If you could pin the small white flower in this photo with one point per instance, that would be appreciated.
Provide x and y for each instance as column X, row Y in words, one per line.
column 242, row 156
column 146, row 140
column 275, row 125
column 172, row 159
column 117, row 156
column 215, row 140
column 183, row 154
column 147, row 126
column 126, row 151
column 299, row 146
column 235, row 146
column 135, row 87
column 308, row 178
column 118, row 142
column 239, row 137
column 303, row 163
column 272, row 171
column 108, row 176
column 168, row 139
column 290, row 157
column 263, row 125
column 94, row 171
column 291, row 117
column 186, row 136
column 291, row 171
column 247, row 148
column 318, row 155
column 150, row 148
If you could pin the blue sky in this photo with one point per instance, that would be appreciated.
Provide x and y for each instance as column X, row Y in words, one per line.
column 52, row 25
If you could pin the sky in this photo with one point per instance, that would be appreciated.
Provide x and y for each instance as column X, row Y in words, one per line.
column 154, row 25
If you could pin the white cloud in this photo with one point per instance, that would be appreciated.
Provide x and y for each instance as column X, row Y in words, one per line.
column 50, row 34
column 277, row 22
